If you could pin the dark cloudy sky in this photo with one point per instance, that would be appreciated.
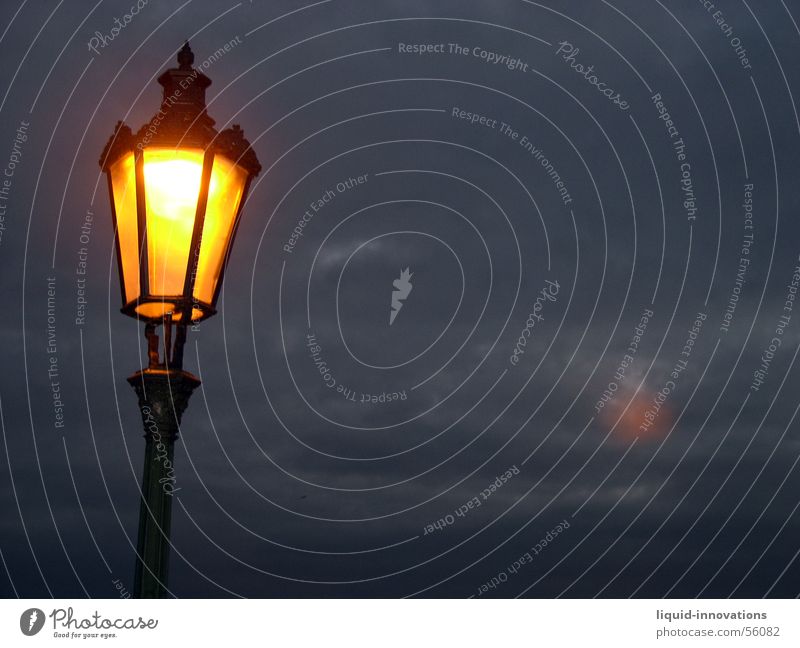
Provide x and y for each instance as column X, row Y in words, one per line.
column 682, row 486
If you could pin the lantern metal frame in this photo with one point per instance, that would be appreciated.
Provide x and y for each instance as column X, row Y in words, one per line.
column 181, row 123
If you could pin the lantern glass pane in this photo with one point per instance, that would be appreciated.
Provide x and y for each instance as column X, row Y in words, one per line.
column 172, row 186
column 123, row 186
column 224, row 196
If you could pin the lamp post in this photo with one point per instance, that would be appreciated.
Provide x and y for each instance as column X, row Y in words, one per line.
column 177, row 189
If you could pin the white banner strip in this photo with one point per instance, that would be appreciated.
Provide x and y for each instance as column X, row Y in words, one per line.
column 402, row 623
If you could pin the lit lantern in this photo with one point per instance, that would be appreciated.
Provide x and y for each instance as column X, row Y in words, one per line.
column 177, row 191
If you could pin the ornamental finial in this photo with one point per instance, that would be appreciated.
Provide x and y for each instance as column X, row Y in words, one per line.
column 185, row 57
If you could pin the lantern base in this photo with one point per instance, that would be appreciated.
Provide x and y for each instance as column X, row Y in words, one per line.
column 159, row 309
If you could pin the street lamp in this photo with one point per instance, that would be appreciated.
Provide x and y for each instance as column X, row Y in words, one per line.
column 177, row 189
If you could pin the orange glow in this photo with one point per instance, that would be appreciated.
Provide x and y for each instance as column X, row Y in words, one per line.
column 155, row 309
column 630, row 413
column 172, row 186
column 224, row 195
column 161, row 308
column 172, row 183
column 123, row 183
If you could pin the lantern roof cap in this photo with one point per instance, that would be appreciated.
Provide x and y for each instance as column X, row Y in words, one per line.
column 185, row 84
column 183, row 120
